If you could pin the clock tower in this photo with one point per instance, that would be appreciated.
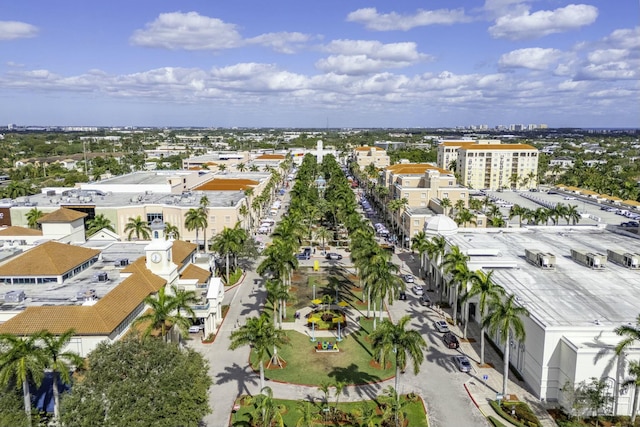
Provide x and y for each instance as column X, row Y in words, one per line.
column 159, row 254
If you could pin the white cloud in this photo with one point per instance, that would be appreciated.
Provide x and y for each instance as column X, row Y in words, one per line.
column 534, row 58
column 373, row 20
column 11, row 30
column 618, row 70
column 192, row 31
column 607, row 55
column 625, row 38
column 544, row 22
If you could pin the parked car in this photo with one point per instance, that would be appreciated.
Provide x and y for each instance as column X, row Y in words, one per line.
column 441, row 326
column 450, row 340
column 462, row 362
column 425, row 300
column 569, row 198
column 194, row 329
column 408, row 278
column 333, row 256
column 417, row 289
column 402, row 295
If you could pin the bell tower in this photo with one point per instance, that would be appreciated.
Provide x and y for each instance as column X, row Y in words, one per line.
column 159, row 253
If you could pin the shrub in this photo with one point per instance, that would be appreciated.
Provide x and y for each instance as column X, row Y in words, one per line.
column 495, row 422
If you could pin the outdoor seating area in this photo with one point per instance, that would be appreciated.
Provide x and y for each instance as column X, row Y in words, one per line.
column 326, row 347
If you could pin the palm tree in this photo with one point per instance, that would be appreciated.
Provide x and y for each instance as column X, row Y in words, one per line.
column 396, row 341
column 419, row 243
column 243, row 211
column 222, row 167
column 631, row 337
column 99, row 222
column 195, row 219
column 446, row 204
column 308, row 414
column 393, row 406
column 261, row 335
column 139, row 227
column 634, row 380
column 323, row 235
column 60, row 363
column 505, row 320
column 241, row 167
column 436, row 252
column 267, row 412
column 171, row 230
column 517, row 210
column 22, row 361
column 166, row 311
column 573, row 215
column 229, row 242
column 204, row 203
column 487, row 291
column 455, row 261
column 33, row 216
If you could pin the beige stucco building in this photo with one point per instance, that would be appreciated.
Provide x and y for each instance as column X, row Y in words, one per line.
column 367, row 155
column 489, row 164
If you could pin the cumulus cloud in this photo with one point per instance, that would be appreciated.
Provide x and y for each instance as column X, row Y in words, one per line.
column 356, row 57
column 11, row 30
column 624, row 38
column 393, row 21
column 527, row 25
column 534, row 58
column 192, row 31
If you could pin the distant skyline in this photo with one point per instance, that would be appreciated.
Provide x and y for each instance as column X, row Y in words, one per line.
column 288, row 63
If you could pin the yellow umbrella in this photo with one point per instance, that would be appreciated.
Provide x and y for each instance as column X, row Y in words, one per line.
column 343, row 303
column 317, row 301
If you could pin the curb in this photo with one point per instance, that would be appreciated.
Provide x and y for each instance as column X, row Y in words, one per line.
column 474, row 400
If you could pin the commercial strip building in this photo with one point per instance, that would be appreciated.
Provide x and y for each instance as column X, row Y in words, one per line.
column 489, row 164
column 574, row 309
column 100, row 292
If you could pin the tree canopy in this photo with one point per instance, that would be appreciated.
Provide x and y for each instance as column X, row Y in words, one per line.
column 139, row 382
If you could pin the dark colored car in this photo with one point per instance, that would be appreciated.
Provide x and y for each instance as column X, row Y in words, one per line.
column 333, row 256
column 450, row 340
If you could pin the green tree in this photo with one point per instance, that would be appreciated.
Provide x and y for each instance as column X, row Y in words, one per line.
column 228, row 243
column 33, row 216
column 446, row 204
column 395, row 342
column 265, row 413
column 166, row 311
column 140, row 382
column 60, row 362
column 633, row 381
column 455, row 264
column 139, row 227
column 483, row 286
column 204, row 208
column 171, row 230
column 308, row 414
column 22, row 361
column 505, row 320
column 261, row 335
column 420, row 242
column 195, row 219
column 631, row 337
column 99, row 222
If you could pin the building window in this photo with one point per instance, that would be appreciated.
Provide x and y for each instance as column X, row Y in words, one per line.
column 212, row 218
column 423, row 195
column 416, row 222
column 227, row 219
column 445, row 195
column 153, row 216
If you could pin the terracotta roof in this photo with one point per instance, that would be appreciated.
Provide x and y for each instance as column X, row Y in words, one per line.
column 367, row 148
column 50, row 258
column 182, row 251
column 102, row 318
column 62, row 215
column 458, row 143
column 195, row 272
column 227, row 184
column 270, row 157
column 414, row 168
column 19, row 231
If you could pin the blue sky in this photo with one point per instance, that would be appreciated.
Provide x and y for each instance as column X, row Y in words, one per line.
column 293, row 63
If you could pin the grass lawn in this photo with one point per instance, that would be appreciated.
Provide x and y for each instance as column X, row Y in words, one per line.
column 414, row 412
column 353, row 364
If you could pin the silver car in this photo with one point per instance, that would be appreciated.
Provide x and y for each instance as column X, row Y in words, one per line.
column 462, row 362
column 441, row 326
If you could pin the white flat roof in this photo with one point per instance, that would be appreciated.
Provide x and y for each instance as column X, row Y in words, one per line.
column 572, row 295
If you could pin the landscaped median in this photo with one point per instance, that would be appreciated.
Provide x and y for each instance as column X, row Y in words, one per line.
column 517, row 413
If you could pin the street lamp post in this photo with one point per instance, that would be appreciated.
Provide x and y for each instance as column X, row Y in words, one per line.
column 313, row 330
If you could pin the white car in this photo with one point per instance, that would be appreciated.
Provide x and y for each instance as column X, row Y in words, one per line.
column 462, row 362
column 417, row 289
column 408, row 278
column 441, row 326
column 194, row 329
column 569, row 198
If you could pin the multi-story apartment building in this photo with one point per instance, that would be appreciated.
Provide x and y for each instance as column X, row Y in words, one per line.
column 367, row 155
column 488, row 164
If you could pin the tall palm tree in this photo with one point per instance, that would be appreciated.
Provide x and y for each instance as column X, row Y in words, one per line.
column 517, row 210
column 634, row 380
column 139, row 227
column 573, row 215
column 261, row 335
column 505, row 320
column 166, row 310
column 483, row 286
column 437, row 249
column 308, row 414
column 33, row 216
column 631, row 337
column 195, row 219
column 171, row 230
column 241, row 167
column 396, row 341
column 454, row 262
column 446, row 204
column 323, row 235
column 22, row 361
column 60, row 362
column 99, row 222
column 266, row 411
column 419, row 243
column 229, row 242
column 204, row 208
column 243, row 211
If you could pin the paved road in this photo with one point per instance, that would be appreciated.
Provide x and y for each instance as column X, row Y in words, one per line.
column 439, row 383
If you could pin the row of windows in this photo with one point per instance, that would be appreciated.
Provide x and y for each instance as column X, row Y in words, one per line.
column 153, row 216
